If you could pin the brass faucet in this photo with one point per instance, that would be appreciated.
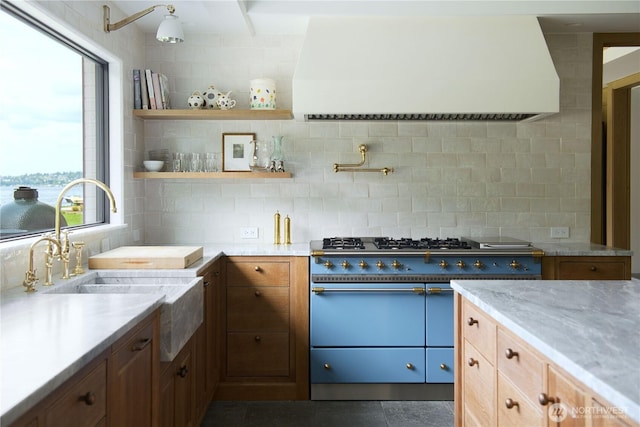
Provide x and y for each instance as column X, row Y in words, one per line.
column 62, row 245
column 31, row 278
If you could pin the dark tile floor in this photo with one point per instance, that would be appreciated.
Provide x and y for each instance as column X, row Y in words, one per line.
column 330, row 414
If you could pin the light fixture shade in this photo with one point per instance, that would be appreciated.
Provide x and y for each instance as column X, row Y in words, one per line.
column 170, row 30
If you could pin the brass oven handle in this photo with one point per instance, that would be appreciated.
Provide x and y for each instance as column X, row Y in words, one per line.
column 437, row 290
column 320, row 290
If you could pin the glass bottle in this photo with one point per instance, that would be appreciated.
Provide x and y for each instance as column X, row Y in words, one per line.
column 277, row 154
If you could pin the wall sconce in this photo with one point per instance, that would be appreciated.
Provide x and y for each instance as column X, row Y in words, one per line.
column 169, row 31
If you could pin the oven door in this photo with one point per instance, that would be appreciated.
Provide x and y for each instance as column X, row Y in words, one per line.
column 439, row 319
column 367, row 315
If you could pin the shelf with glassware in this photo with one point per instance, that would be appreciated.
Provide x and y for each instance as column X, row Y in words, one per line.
column 210, row 114
column 212, row 175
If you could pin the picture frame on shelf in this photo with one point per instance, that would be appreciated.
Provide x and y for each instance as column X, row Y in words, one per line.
column 237, row 151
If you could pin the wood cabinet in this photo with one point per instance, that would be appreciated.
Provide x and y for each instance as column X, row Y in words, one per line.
column 500, row 380
column 264, row 329
column 117, row 388
column 586, row 268
column 178, row 388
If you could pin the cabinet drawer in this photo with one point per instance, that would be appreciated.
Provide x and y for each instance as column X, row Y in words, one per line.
column 479, row 386
column 479, row 330
column 260, row 272
column 367, row 365
column 84, row 404
column 564, row 391
column 257, row 354
column 440, row 365
column 514, row 409
column 596, row 269
column 257, row 308
column 520, row 365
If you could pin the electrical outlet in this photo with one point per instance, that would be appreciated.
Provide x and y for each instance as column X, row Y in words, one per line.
column 248, row 232
column 560, row 232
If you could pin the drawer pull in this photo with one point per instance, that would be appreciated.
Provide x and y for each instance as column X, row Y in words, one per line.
column 472, row 321
column 141, row 344
column 593, row 268
column 544, row 400
column 206, row 284
column 410, row 366
column 510, row 354
column 183, row 371
column 510, row 403
column 472, row 362
column 89, row 398
column 257, row 293
column 257, row 338
column 257, row 268
column 444, row 366
column 326, row 366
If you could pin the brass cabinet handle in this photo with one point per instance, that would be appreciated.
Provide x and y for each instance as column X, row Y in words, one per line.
column 593, row 268
column 257, row 338
column 89, row 398
column 141, row 344
column 510, row 403
column 472, row 362
column 544, row 400
column 183, row 371
column 510, row 354
column 444, row 366
column 257, row 293
column 472, row 321
column 410, row 366
column 326, row 366
column 257, row 268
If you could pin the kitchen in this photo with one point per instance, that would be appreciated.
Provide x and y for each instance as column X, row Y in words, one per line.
column 449, row 179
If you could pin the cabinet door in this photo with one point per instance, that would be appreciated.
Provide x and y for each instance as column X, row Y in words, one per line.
column 609, row 420
column 563, row 396
column 594, row 268
column 514, row 409
column 258, row 308
column 521, row 365
column 479, row 387
column 133, row 382
column 184, row 387
column 167, row 395
column 258, row 354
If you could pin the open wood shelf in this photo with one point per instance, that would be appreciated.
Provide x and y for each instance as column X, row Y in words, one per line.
column 211, row 175
column 205, row 114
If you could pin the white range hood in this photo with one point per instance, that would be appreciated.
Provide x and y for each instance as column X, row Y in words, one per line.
column 425, row 68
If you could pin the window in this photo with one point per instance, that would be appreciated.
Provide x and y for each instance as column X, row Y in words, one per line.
column 53, row 123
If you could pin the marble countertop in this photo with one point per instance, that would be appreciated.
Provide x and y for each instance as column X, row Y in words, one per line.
column 591, row 329
column 580, row 249
column 46, row 338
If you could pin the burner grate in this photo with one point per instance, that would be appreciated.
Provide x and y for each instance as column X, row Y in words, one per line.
column 342, row 243
column 424, row 243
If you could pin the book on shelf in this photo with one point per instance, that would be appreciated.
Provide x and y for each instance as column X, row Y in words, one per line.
column 150, row 90
column 164, row 90
column 156, row 91
column 137, row 90
column 152, row 98
column 144, row 91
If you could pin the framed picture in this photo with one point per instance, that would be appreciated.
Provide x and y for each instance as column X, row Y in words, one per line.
column 237, row 151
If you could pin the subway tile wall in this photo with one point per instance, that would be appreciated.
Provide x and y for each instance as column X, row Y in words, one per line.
column 450, row 179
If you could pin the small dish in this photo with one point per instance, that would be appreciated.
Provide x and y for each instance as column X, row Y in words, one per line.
column 153, row 165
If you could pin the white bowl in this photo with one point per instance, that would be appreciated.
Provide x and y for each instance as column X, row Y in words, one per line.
column 153, row 165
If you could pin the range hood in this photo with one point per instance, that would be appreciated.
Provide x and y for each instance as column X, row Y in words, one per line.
column 425, row 68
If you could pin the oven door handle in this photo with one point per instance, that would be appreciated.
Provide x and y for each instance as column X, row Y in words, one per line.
column 438, row 290
column 320, row 290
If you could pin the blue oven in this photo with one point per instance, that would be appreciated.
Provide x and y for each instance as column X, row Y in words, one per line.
column 381, row 320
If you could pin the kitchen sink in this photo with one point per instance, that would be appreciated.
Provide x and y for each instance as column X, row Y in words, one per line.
column 180, row 312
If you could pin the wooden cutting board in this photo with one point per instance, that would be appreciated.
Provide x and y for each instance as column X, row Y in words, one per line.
column 147, row 257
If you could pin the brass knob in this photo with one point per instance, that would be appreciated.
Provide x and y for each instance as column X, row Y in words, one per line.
column 443, row 366
column 257, row 293
column 395, row 264
column 345, row 264
column 514, row 264
column 257, row 268
column 326, row 366
column 472, row 361
column 460, row 263
column 478, row 264
column 510, row 354
column 593, row 268
column 328, row 264
column 363, row 264
column 89, row 398
column 257, row 338
column 471, row 321
column 380, row 265
column 444, row 264
column 510, row 403
column 544, row 400
column 410, row 366
column 183, row 371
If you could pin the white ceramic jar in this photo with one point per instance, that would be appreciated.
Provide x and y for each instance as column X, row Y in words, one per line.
column 262, row 94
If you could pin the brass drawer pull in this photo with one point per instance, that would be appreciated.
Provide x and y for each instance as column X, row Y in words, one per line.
column 257, row 338
column 257, row 293
column 472, row 321
column 89, row 398
column 257, row 268
column 510, row 354
column 410, row 366
column 141, row 344
column 510, row 403
column 444, row 366
column 326, row 366
column 544, row 400
column 472, row 362
column 593, row 268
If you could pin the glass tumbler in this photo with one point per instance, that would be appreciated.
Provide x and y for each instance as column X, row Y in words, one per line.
column 196, row 163
column 210, row 162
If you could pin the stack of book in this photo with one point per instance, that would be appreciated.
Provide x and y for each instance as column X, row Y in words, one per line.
column 150, row 90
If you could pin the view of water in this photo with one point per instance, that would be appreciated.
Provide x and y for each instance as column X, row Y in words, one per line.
column 46, row 194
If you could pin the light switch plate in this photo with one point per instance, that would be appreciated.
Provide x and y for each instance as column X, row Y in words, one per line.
column 248, row 232
column 559, row 232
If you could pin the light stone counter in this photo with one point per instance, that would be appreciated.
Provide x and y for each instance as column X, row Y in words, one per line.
column 580, row 249
column 46, row 338
column 591, row 329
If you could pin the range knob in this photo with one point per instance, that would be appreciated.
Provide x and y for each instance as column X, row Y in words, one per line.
column 444, row 264
column 514, row 264
column 345, row 264
column 328, row 264
column 380, row 265
column 460, row 263
column 478, row 264
column 395, row 264
column 363, row 264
